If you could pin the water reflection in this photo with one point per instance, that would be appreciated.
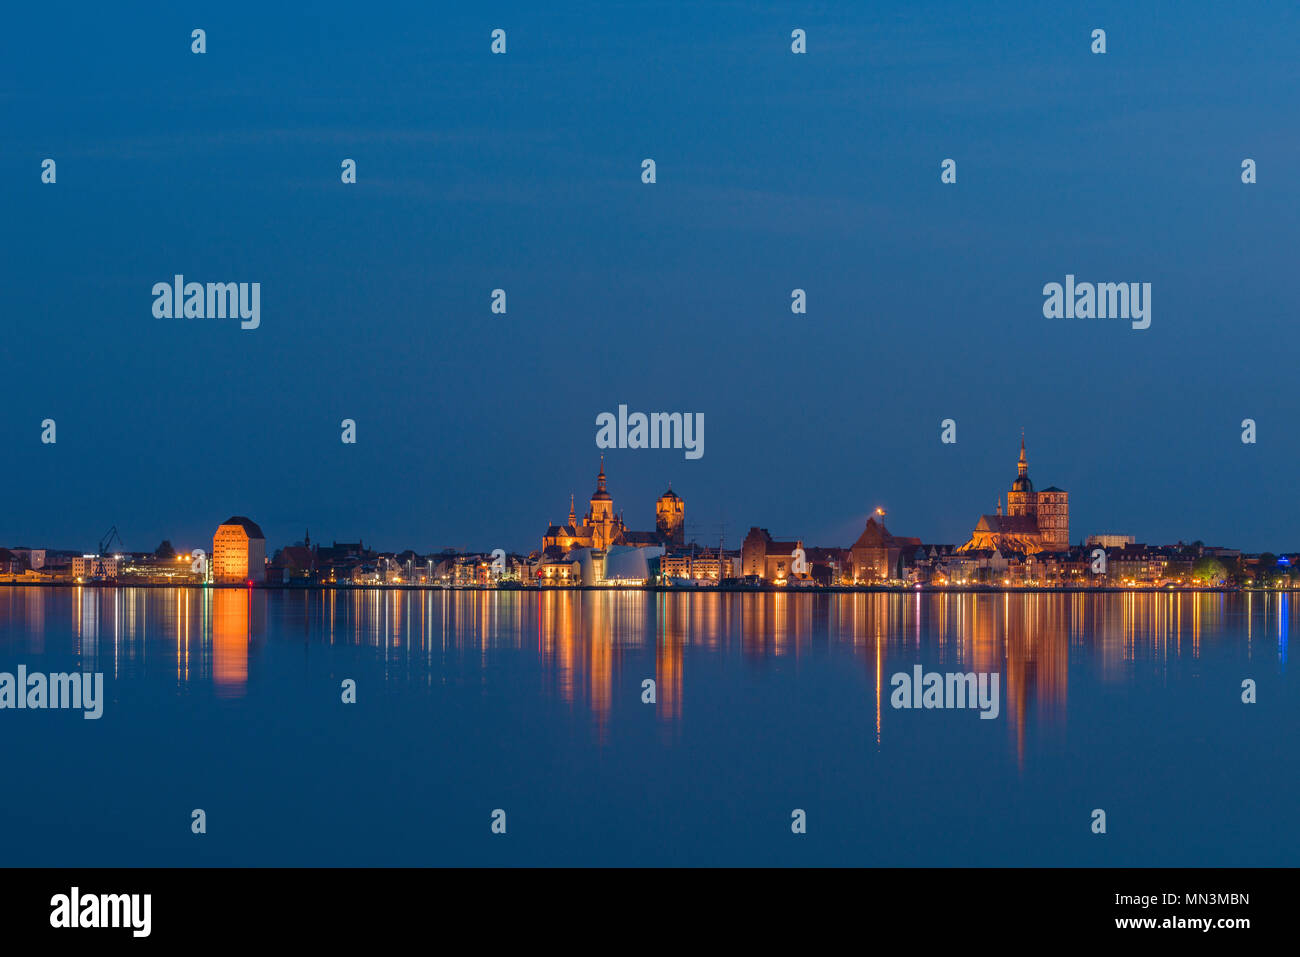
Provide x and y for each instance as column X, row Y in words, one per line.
column 231, row 627
column 591, row 650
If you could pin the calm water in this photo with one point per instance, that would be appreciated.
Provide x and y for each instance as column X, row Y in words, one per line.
column 229, row 700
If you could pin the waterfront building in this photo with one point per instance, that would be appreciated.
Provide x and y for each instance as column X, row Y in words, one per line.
column 34, row 557
column 702, row 564
column 341, row 552
column 670, row 517
column 558, row 572
column 238, row 551
column 630, row 565
column 1109, row 540
column 176, row 570
column 86, row 567
column 877, row 555
column 298, row 563
column 602, row 527
column 1035, row 521
column 829, row 565
column 599, row 528
column 764, row 557
column 924, row 563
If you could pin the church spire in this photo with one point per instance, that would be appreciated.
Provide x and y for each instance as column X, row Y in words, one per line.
column 573, row 518
column 1023, row 467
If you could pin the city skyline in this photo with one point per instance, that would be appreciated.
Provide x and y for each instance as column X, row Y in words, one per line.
column 1028, row 545
column 692, row 529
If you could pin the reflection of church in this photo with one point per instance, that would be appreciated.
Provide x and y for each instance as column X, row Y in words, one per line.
column 1035, row 521
column 601, row 527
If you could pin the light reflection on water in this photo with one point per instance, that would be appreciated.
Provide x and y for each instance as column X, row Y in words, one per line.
column 580, row 639
column 765, row 701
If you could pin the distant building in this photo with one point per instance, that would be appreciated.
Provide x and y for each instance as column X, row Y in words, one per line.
column 1218, row 551
column 670, row 517
column 147, row 567
column 1109, row 540
column 1137, row 563
column 239, row 551
column 630, row 565
column 698, row 564
column 471, row 570
column 351, row 553
column 829, row 566
column 35, row 557
column 602, row 528
column 766, row 558
column 1036, row 521
column 876, row 555
column 925, row 563
column 86, row 567
column 555, row 572
column 293, row 564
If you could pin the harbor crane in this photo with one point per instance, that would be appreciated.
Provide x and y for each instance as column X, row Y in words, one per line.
column 105, row 544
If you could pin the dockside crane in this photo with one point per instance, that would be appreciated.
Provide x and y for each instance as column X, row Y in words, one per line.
column 105, row 544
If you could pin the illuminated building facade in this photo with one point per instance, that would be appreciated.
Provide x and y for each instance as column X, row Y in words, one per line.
column 877, row 555
column 670, row 517
column 1036, row 521
column 86, row 567
column 238, row 552
column 552, row 572
column 602, row 527
column 1110, row 540
column 704, row 565
column 766, row 558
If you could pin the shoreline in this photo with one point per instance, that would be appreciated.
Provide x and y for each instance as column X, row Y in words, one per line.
column 671, row 589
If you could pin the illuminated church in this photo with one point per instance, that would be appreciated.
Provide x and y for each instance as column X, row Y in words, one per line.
column 601, row 527
column 1036, row 521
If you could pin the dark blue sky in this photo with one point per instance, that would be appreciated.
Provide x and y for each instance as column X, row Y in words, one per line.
column 522, row 171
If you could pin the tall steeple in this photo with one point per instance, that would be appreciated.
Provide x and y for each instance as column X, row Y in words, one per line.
column 602, row 503
column 1022, row 500
column 573, row 518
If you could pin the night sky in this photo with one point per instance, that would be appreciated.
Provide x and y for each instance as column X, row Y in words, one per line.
column 523, row 171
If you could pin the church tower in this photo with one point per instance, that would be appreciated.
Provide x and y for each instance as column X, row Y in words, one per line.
column 670, row 517
column 1022, row 500
column 601, row 516
column 1035, row 521
column 602, row 503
